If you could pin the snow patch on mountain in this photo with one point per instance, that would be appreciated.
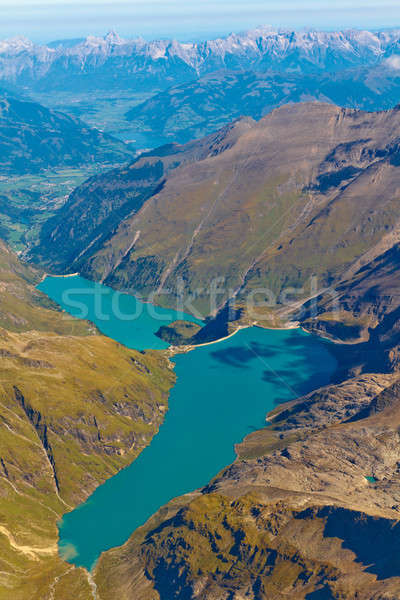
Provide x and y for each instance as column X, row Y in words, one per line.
column 261, row 49
column 393, row 62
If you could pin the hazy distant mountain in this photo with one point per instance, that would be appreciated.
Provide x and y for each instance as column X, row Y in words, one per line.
column 33, row 138
column 197, row 108
column 98, row 63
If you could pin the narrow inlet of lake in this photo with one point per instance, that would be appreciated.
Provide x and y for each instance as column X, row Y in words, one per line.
column 223, row 393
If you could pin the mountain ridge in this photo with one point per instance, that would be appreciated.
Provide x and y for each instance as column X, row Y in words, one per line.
column 194, row 109
column 290, row 177
column 164, row 62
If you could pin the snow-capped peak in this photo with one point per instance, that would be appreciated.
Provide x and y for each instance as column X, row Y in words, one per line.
column 15, row 45
column 258, row 49
column 112, row 37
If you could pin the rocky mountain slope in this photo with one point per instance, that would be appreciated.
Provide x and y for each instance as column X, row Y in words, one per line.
column 309, row 510
column 33, row 138
column 292, row 201
column 75, row 408
column 112, row 62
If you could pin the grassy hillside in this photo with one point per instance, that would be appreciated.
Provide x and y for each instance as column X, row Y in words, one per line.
column 75, row 408
column 23, row 307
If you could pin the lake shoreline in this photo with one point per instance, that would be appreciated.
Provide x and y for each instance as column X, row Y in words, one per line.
column 45, row 275
column 189, row 347
column 176, row 461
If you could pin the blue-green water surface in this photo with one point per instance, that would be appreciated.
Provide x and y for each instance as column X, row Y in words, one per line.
column 223, row 392
column 119, row 316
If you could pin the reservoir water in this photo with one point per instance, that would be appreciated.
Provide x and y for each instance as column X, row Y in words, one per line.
column 119, row 316
column 223, row 392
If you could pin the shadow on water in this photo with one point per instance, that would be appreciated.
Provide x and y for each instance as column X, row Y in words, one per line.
column 294, row 383
column 240, row 356
column 234, row 357
column 289, row 376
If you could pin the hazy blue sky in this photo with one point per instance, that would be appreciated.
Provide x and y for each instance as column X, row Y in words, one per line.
column 185, row 19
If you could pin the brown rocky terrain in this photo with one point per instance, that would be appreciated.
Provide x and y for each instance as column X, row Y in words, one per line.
column 305, row 192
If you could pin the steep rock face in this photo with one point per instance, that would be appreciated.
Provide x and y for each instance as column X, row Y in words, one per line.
column 75, row 408
column 363, row 310
column 307, row 191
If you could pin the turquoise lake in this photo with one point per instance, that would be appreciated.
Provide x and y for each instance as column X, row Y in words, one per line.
column 223, row 392
column 119, row 316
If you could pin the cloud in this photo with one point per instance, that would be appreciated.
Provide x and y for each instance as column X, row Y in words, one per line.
column 393, row 62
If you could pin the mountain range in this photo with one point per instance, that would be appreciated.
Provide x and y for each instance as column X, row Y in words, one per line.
column 292, row 210
column 155, row 92
column 101, row 63
column 301, row 207
column 310, row 190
